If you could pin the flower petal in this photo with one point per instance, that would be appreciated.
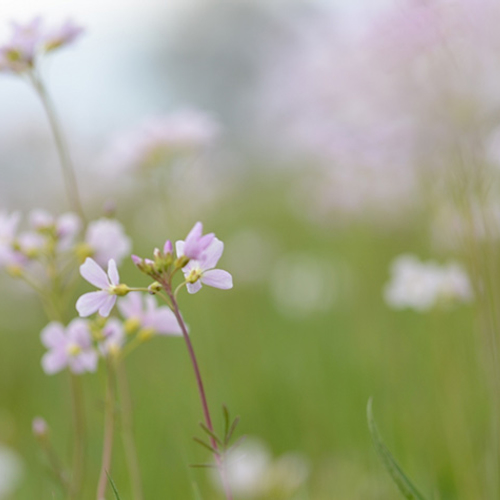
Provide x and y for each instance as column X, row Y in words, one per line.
column 212, row 254
column 107, row 305
column 89, row 303
column 94, row 274
column 164, row 322
column 53, row 335
column 179, row 248
column 218, row 279
column 54, row 361
column 78, row 332
column 114, row 277
column 193, row 287
column 131, row 305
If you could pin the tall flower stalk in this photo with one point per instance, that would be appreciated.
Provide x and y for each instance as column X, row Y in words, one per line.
column 67, row 167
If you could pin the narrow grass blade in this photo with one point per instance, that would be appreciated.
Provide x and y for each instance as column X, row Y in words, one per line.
column 403, row 483
column 113, row 486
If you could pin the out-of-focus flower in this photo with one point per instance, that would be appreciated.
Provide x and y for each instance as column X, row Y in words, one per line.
column 424, row 285
column 11, row 470
column 201, row 271
column 39, row 427
column 30, row 40
column 253, row 473
column 159, row 140
column 8, row 230
column 143, row 313
column 113, row 337
column 62, row 35
column 68, row 347
column 106, row 239
column 109, row 284
column 246, row 468
column 196, row 243
column 65, row 227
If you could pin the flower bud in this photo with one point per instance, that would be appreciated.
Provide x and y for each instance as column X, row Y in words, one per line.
column 40, row 428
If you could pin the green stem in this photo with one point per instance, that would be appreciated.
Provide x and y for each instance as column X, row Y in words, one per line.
column 128, row 433
column 109, row 426
column 79, row 430
column 62, row 148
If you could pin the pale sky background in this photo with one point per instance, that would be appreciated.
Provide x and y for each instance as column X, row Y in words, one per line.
column 116, row 74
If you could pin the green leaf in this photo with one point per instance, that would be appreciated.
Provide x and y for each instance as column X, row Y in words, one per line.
column 229, row 435
column 399, row 477
column 211, row 434
column 225, row 412
column 207, row 446
column 115, row 491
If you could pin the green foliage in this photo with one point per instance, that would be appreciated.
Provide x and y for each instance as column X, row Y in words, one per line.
column 113, row 485
column 402, row 481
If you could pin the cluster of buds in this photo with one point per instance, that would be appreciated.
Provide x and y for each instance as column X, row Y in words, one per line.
column 197, row 257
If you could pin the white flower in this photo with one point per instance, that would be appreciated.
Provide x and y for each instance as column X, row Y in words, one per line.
column 423, row 285
column 11, row 469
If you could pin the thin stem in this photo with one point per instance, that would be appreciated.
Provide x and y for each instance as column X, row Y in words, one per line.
column 109, row 425
column 79, row 430
column 62, row 148
column 201, row 390
column 127, row 432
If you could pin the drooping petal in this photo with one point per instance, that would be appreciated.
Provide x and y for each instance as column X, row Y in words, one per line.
column 193, row 287
column 53, row 335
column 94, row 274
column 107, row 305
column 54, row 361
column 212, row 254
column 218, row 279
column 91, row 302
column 114, row 277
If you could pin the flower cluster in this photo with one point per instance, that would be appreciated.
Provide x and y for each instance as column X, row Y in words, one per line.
column 79, row 345
column 424, row 285
column 58, row 240
column 30, row 40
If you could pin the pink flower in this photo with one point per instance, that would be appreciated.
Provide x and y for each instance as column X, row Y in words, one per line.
column 199, row 271
column 31, row 39
column 66, row 226
column 70, row 347
column 109, row 284
column 62, row 35
column 195, row 244
column 114, row 337
column 107, row 240
column 146, row 313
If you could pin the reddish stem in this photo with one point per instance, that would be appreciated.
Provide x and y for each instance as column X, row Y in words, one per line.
column 201, row 390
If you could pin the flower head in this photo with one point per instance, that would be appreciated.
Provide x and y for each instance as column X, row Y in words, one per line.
column 196, row 243
column 201, row 270
column 144, row 313
column 28, row 40
column 69, row 347
column 109, row 284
